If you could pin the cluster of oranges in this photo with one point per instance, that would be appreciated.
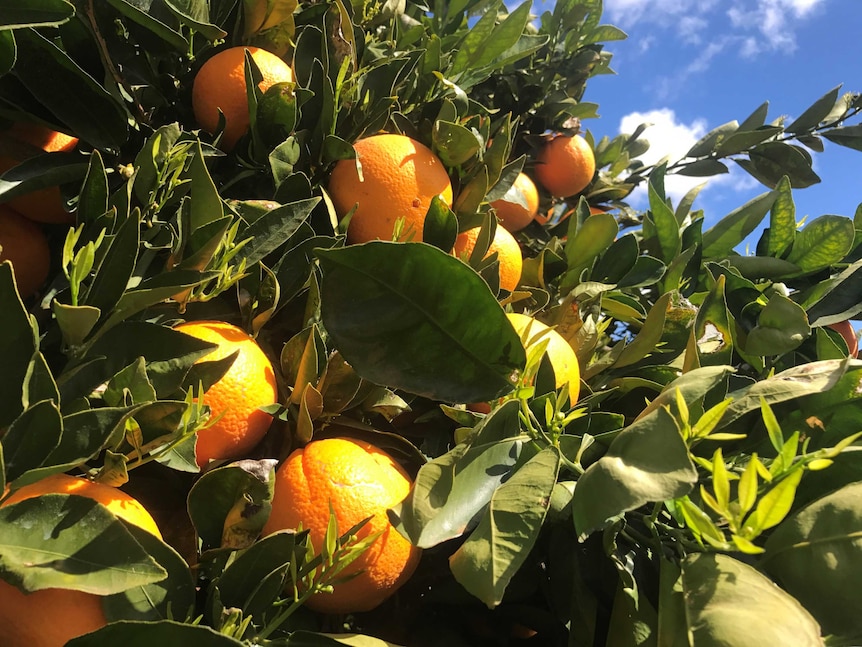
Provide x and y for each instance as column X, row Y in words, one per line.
column 398, row 180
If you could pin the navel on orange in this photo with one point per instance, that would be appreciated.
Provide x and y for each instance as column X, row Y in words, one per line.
column 359, row 480
column 400, row 177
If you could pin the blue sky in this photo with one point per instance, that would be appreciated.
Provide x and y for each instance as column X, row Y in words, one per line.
column 691, row 65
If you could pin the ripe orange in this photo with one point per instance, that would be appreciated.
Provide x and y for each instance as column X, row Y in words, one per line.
column 514, row 216
column 560, row 352
column 508, row 253
column 220, row 85
column 24, row 244
column 358, row 480
column 52, row 617
column 25, row 140
column 400, row 177
column 565, row 165
column 234, row 400
column 845, row 329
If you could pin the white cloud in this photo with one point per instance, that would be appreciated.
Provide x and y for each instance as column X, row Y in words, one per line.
column 671, row 139
column 753, row 26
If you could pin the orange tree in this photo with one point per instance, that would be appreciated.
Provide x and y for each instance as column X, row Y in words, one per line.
column 725, row 510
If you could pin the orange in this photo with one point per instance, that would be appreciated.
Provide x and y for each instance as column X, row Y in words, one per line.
column 845, row 329
column 565, row 165
column 25, row 140
column 24, row 244
column 508, row 253
column 400, row 177
column 560, row 352
column 358, row 480
column 514, row 216
column 52, row 617
column 220, row 85
column 234, row 400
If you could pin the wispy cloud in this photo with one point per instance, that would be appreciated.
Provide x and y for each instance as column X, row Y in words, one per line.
column 751, row 26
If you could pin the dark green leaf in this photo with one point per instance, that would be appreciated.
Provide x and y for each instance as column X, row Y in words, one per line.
column 72, row 95
column 781, row 327
column 708, row 143
column 817, row 556
column 649, row 335
column 395, row 311
column 782, row 220
column 454, row 144
column 728, row 602
column 30, row 438
column 170, row 598
column 164, row 633
column 647, row 462
column 35, row 13
column 93, row 199
column 823, row 242
column 273, row 229
column 815, row 113
column 17, row 346
column 8, row 51
column 229, row 505
column 770, row 161
column 440, row 228
column 703, row 168
column 69, row 541
column 116, row 268
column 743, row 139
column 731, row 230
column 86, row 433
column 206, row 204
column 665, row 226
column 500, row 544
column 148, row 21
column 44, row 170
column 452, row 489
column 848, row 136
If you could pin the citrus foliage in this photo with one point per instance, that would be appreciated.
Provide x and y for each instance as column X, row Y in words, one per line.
column 707, row 451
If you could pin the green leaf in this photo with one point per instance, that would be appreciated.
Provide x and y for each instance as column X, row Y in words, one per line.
column 708, row 143
column 728, row 602
column 229, row 505
column 665, row 224
column 440, row 228
column 592, row 238
column 649, row 335
column 816, row 555
column 117, row 266
column 73, row 96
column 17, row 345
column 731, row 230
column 165, row 633
column 94, row 195
column 39, row 383
column 500, row 544
column 770, row 161
column 782, row 220
column 795, row 382
column 815, row 113
column 848, row 136
column 454, row 144
column 452, row 489
column 647, row 462
column 395, row 311
column 206, row 204
column 256, row 579
column 823, row 242
column 18, row 14
column 774, row 505
column 86, row 433
column 838, row 297
column 30, row 438
column 486, row 40
column 75, row 322
column 713, row 331
column 273, row 229
column 148, row 21
column 781, row 327
column 8, row 51
column 69, row 541
column 170, row 598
